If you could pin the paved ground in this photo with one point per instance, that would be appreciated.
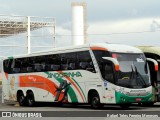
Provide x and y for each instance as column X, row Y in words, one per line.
column 70, row 108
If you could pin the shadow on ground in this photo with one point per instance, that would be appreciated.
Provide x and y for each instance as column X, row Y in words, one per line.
column 80, row 106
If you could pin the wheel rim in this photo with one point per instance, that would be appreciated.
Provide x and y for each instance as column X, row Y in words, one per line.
column 30, row 100
column 95, row 102
column 21, row 99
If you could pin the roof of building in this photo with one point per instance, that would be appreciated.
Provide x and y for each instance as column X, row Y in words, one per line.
column 11, row 25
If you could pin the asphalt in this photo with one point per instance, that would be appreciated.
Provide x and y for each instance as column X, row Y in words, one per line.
column 83, row 109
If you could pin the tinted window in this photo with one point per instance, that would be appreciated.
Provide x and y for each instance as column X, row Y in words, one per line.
column 53, row 62
column 98, row 55
column 105, row 66
column 71, row 60
column 7, row 65
column 65, row 61
column 108, row 73
column 85, row 61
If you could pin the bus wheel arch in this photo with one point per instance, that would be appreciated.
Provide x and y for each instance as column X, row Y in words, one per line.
column 30, row 98
column 21, row 98
column 94, row 99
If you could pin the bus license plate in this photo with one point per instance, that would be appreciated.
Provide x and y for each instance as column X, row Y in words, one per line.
column 138, row 99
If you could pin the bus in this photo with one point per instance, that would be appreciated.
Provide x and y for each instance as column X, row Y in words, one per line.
column 94, row 74
column 154, row 53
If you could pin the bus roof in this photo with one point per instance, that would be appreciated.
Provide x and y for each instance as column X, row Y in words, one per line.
column 150, row 49
column 107, row 46
column 118, row 48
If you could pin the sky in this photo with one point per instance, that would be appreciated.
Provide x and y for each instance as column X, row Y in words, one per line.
column 132, row 22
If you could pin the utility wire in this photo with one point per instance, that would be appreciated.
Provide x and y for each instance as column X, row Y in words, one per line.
column 139, row 32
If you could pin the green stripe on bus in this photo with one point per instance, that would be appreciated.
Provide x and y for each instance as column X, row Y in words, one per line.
column 80, row 88
column 71, row 92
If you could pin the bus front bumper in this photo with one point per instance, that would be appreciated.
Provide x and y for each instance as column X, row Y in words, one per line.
column 122, row 98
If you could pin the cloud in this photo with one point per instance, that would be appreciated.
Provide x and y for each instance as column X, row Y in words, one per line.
column 63, row 36
column 60, row 30
column 132, row 32
column 4, row 8
column 67, row 25
column 155, row 25
column 106, row 27
column 104, row 17
column 142, row 31
column 96, row 10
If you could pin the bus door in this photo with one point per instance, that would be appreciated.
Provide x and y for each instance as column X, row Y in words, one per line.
column 154, row 80
column 153, row 74
column 108, row 75
column 158, row 80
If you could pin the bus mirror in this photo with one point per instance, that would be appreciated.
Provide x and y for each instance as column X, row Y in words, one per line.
column 155, row 63
column 114, row 61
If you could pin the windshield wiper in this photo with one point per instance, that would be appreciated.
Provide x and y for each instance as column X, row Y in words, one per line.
column 133, row 74
column 137, row 73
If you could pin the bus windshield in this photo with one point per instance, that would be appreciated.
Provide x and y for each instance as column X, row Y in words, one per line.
column 134, row 72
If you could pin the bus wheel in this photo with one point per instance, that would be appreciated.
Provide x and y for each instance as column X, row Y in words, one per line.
column 125, row 106
column 30, row 99
column 21, row 99
column 95, row 101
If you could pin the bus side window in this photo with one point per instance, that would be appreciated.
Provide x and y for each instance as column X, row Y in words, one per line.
column 108, row 72
column 30, row 62
column 16, row 66
column 72, row 60
column 85, row 61
column 64, row 62
column 39, row 65
column 52, row 62
column 72, row 66
column 5, row 66
column 24, row 65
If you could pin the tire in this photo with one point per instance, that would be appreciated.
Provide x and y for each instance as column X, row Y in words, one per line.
column 125, row 106
column 58, row 104
column 158, row 97
column 95, row 101
column 30, row 99
column 150, row 104
column 21, row 99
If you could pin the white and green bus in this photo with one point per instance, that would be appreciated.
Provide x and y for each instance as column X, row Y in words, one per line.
column 154, row 53
column 97, row 74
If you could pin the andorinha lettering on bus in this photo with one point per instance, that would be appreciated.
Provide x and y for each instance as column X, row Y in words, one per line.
column 65, row 74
